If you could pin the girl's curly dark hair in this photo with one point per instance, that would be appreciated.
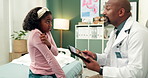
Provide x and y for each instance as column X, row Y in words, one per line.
column 31, row 21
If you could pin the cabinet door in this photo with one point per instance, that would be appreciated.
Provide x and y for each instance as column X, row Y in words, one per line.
column 82, row 44
column 95, row 46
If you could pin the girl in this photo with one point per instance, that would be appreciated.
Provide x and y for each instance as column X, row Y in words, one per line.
column 41, row 45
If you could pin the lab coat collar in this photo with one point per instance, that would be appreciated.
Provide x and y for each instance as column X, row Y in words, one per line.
column 123, row 33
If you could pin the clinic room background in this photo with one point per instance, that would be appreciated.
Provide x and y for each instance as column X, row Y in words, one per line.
column 14, row 11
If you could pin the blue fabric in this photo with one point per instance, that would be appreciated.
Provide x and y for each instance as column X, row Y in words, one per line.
column 31, row 75
column 73, row 69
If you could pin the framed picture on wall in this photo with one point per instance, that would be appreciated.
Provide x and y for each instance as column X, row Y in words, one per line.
column 89, row 8
column 102, row 6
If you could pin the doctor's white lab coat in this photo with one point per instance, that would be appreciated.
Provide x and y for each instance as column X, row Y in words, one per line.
column 127, row 55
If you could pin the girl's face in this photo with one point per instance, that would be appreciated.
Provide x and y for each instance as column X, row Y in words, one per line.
column 46, row 23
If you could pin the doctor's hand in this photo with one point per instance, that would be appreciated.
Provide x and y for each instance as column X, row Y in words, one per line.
column 93, row 65
column 90, row 54
column 45, row 40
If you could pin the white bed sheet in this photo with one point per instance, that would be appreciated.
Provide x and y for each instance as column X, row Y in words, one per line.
column 61, row 58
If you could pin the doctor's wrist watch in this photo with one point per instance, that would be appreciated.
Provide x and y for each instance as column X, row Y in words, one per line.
column 101, row 71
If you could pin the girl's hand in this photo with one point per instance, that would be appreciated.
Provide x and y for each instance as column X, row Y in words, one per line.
column 44, row 40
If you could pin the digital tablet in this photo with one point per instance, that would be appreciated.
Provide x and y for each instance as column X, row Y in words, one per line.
column 78, row 53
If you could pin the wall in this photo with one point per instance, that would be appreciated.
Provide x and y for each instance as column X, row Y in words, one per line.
column 68, row 9
column 19, row 10
column 143, row 11
column 4, row 29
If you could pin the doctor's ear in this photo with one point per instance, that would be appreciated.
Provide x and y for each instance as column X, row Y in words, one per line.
column 121, row 12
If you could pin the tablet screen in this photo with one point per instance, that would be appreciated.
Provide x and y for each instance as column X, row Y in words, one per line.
column 74, row 50
column 77, row 52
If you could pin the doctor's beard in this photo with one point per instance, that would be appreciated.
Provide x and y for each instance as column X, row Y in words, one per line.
column 106, row 21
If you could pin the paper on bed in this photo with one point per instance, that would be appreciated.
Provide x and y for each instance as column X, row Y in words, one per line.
column 61, row 58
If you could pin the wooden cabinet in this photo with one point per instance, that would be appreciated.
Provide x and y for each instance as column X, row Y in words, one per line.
column 14, row 55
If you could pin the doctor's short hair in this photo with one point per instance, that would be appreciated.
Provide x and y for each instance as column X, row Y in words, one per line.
column 32, row 21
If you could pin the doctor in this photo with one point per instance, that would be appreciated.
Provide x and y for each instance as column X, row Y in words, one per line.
column 126, row 53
